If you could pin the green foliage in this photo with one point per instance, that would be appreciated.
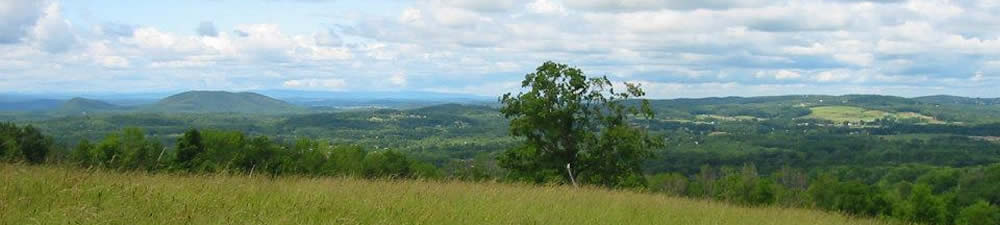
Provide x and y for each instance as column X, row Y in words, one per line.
column 858, row 198
column 981, row 213
column 924, row 207
column 82, row 152
column 260, row 155
column 189, row 147
column 23, row 144
column 214, row 151
column 33, row 145
column 980, row 183
column 128, row 149
column 390, row 164
column 670, row 183
column 578, row 124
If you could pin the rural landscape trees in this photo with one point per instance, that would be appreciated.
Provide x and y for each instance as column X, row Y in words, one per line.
column 577, row 128
column 922, row 159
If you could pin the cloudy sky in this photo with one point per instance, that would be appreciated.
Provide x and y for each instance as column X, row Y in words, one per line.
column 675, row 48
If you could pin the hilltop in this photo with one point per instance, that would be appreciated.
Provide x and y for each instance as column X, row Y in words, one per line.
column 222, row 101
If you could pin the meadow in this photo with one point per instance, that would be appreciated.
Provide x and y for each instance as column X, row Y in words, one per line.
column 840, row 114
column 66, row 195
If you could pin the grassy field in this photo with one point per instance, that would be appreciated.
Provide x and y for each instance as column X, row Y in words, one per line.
column 845, row 113
column 841, row 114
column 53, row 195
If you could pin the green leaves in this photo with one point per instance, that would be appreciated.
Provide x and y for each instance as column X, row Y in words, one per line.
column 567, row 118
column 189, row 147
column 23, row 144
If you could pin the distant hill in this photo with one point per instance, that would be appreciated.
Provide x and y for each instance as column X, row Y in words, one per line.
column 374, row 99
column 222, row 101
column 933, row 108
column 948, row 99
column 84, row 105
column 30, row 105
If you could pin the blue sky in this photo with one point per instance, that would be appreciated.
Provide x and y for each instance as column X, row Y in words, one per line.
column 674, row 48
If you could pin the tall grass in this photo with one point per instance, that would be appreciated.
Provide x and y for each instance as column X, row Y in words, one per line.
column 57, row 195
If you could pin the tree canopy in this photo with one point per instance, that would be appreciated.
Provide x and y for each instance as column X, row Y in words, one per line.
column 576, row 129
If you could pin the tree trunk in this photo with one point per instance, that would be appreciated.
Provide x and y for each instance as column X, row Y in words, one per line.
column 569, row 170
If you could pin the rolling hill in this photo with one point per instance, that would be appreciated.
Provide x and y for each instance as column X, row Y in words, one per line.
column 84, row 105
column 221, row 101
column 948, row 99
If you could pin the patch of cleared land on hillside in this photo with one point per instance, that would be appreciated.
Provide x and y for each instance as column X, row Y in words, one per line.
column 50, row 195
column 841, row 114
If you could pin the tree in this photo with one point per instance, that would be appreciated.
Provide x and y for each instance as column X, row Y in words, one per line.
column 576, row 124
column 260, row 155
column 137, row 151
column 9, row 150
column 33, row 145
column 189, row 147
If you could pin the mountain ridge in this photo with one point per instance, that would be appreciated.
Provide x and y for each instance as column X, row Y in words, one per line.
column 221, row 102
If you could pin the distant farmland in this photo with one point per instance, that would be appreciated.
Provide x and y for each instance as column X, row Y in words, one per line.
column 841, row 114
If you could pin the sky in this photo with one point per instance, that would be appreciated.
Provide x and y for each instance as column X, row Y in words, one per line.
column 673, row 48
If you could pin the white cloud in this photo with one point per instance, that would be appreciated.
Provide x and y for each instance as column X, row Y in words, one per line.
column 643, row 5
column 411, row 15
column 398, row 79
column 546, row 7
column 482, row 5
column 860, row 59
column 52, row 32
column 832, row 76
column 113, row 61
column 935, row 9
column 779, row 74
column 316, row 83
column 467, row 45
column 18, row 17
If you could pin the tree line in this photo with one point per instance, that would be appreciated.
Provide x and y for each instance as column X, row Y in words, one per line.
column 915, row 193
column 213, row 151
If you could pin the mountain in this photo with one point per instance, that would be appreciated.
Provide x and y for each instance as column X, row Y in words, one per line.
column 85, row 105
column 222, row 101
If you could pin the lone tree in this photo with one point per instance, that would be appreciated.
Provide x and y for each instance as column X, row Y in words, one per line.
column 576, row 129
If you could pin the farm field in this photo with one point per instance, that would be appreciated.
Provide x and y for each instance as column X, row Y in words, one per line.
column 61, row 195
column 841, row 114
